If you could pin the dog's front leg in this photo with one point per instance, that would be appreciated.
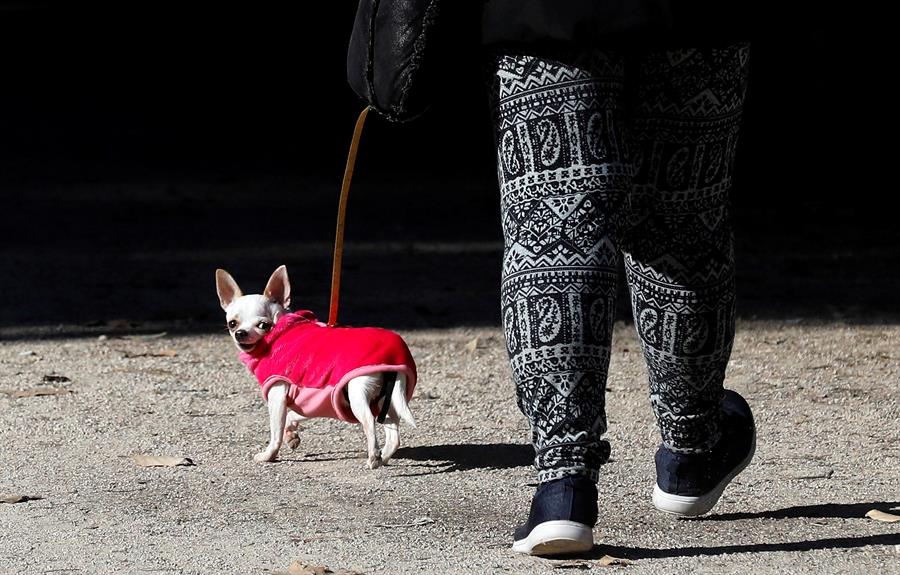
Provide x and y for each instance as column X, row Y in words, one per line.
column 277, row 400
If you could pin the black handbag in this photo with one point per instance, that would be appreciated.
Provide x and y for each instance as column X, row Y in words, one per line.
column 399, row 48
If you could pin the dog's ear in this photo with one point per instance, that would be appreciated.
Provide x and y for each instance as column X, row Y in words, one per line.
column 279, row 287
column 227, row 288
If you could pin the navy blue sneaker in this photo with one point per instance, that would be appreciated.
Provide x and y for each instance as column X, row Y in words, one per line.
column 561, row 520
column 692, row 484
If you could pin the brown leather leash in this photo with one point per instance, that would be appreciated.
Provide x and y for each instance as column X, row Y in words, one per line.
column 342, row 214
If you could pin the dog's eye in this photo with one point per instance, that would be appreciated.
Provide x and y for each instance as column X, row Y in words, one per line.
column 232, row 324
column 264, row 325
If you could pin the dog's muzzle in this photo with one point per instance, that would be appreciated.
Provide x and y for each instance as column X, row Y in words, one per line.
column 240, row 338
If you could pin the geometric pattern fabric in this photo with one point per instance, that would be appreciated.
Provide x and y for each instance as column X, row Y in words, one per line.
column 617, row 156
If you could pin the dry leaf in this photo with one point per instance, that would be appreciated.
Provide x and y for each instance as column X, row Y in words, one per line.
column 161, row 461
column 298, row 568
column 824, row 474
column 572, row 565
column 53, row 378
column 882, row 516
column 472, row 345
column 608, row 560
column 37, row 391
column 161, row 353
column 18, row 498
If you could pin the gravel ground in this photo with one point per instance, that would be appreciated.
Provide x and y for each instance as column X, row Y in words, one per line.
column 825, row 397
column 824, row 387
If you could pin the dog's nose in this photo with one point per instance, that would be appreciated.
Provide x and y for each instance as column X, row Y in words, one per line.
column 240, row 334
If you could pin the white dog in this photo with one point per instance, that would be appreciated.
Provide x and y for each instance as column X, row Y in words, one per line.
column 307, row 369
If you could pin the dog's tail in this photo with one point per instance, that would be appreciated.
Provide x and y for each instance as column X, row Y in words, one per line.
column 398, row 401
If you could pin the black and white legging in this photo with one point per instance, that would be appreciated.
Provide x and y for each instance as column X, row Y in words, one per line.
column 617, row 154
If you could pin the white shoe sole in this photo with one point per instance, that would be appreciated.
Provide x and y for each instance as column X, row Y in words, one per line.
column 556, row 538
column 693, row 506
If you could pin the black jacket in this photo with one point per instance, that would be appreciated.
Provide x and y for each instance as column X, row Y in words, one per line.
column 402, row 51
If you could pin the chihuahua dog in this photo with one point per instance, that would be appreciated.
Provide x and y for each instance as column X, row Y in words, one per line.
column 308, row 369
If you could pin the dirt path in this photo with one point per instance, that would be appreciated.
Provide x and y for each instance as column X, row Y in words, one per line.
column 826, row 397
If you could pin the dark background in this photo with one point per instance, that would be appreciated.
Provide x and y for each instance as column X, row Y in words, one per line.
column 142, row 147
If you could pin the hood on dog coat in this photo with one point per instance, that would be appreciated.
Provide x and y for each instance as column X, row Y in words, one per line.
column 318, row 361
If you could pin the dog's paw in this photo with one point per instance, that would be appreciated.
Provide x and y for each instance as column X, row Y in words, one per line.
column 264, row 456
column 374, row 462
column 291, row 439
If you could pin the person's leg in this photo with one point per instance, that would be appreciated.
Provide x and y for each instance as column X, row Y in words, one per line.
column 564, row 183
column 678, row 253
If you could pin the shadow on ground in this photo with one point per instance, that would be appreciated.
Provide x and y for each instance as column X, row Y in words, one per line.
column 820, row 511
column 467, row 456
column 636, row 553
column 421, row 253
column 437, row 458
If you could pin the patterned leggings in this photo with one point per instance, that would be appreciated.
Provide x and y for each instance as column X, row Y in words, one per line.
column 613, row 155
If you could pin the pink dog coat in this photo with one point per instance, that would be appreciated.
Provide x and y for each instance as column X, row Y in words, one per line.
column 318, row 361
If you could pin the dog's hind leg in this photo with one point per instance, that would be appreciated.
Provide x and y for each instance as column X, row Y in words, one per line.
column 360, row 390
column 399, row 410
column 391, row 436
